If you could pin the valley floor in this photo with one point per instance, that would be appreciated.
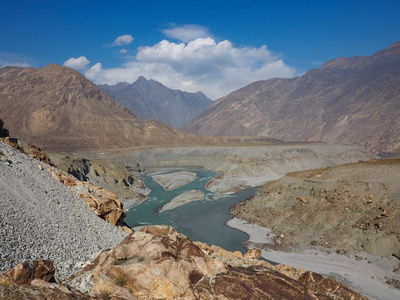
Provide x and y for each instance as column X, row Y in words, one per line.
column 367, row 276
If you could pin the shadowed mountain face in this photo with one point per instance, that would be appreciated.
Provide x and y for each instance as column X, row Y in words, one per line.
column 347, row 101
column 58, row 108
column 151, row 100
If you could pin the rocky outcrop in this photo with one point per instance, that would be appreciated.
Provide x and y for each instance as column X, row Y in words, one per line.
column 102, row 202
column 34, row 283
column 150, row 100
column 24, row 273
column 122, row 179
column 346, row 101
column 160, row 263
column 348, row 208
column 31, row 150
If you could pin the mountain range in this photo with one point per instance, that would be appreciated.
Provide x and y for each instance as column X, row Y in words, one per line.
column 352, row 100
column 58, row 108
column 151, row 100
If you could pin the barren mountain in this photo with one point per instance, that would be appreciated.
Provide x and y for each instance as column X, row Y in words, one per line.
column 150, row 100
column 347, row 101
column 58, row 108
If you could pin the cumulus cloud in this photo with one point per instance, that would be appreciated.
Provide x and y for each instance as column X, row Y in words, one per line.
column 216, row 68
column 122, row 40
column 79, row 63
column 123, row 51
column 187, row 33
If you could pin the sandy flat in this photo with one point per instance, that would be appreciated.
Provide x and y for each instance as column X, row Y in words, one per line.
column 184, row 198
column 172, row 181
column 361, row 276
column 232, row 184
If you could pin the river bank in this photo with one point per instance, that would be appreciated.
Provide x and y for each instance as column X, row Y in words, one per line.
column 366, row 276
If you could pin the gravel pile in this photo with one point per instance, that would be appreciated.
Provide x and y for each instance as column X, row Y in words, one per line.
column 41, row 219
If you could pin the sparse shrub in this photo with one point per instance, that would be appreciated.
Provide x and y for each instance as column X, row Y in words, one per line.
column 120, row 280
column 105, row 295
column 1, row 153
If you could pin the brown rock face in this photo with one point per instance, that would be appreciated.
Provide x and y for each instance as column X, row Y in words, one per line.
column 32, row 292
column 346, row 101
column 159, row 263
column 59, row 109
column 24, row 273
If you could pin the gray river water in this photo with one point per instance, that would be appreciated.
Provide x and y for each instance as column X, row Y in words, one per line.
column 203, row 221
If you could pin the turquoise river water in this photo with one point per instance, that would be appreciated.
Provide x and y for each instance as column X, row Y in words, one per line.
column 203, row 221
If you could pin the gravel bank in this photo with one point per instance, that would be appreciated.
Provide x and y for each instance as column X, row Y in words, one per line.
column 41, row 219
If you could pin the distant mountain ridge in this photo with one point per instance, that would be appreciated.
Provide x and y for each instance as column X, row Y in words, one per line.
column 352, row 100
column 151, row 100
column 58, row 108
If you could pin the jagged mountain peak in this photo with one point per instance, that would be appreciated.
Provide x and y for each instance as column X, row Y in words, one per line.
column 152, row 100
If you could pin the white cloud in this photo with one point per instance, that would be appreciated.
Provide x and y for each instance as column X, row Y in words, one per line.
column 122, row 40
column 187, row 33
column 79, row 63
column 199, row 65
column 14, row 64
column 123, row 51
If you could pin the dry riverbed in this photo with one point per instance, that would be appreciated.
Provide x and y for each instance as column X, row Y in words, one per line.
column 367, row 275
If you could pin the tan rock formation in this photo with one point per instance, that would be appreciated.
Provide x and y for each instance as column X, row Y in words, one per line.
column 160, row 263
column 102, row 202
column 35, row 282
column 24, row 273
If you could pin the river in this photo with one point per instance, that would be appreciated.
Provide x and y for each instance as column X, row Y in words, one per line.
column 203, row 221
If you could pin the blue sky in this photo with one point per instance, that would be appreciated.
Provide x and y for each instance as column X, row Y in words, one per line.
column 213, row 46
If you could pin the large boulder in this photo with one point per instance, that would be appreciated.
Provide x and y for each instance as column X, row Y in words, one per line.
column 24, row 273
column 160, row 263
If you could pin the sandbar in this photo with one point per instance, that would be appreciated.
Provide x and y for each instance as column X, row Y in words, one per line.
column 172, row 181
column 184, row 198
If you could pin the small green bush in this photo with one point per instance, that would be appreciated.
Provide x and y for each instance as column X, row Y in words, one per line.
column 120, row 280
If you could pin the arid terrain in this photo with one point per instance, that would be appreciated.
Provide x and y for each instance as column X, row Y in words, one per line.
column 351, row 208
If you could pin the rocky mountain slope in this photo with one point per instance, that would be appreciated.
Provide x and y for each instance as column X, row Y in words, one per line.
column 349, row 208
column 58, row 108
column 346, row 101
column 150, row 100
column 43, row 219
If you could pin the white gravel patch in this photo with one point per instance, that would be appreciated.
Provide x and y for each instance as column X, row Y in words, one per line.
column 41, row 219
